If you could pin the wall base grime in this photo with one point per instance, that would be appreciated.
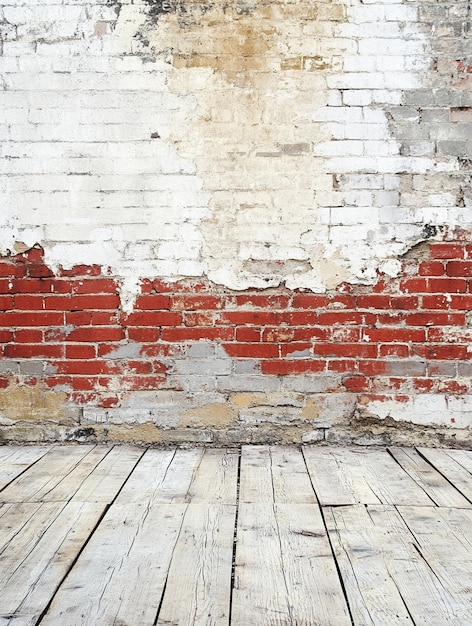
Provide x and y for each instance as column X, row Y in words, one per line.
column 196, row 363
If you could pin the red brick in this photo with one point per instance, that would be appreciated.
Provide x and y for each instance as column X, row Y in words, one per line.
column 5, row 336
column 447, row 251
column 78, row 318
column 91, row 334
column 423, row 384
column 436, row 302
column 431, row 268
column 81, row 303
column 371, row 368
column 452, row 386
column 36, row 318
column 389, row 335
column 374, row 301
column 340, row 317
column 143, row 367
column 280, row 333
column 26, row 351
column 108, row 402
column 32, row 255
column 12, row 270
column 81, row 351
column 151, row 318
column 35, row 286
column 104, row 318
column 435, row 318
column 153, row 302
column 459, row 268
column 356, row 350
column 248, row 334
column 196, row 303
column 199, row 319
column 290, row 348
column 263, row 301
column 87, row 367
column 394, row 349
column 447, row 285
column 6, row 286
column 404, row 302
column 161, row 350
column 414, row 285
column 4, row 382
column 6, row 303
column 252, row 350
column 29, row 303
column 390, row 318
column 84, row 383
column 28, row 335
column 442, row 352
column 309, row 301
column 141, row 333
column 294, row 366
column 357, row 383
column 38, row 270
column 94, row 285
column 299, row 318
column 341, row 365
column 56, row 381
column 461, row 302
column 344, row 334
column 254, row 318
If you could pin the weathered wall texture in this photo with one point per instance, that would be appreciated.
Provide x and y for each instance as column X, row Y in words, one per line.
column 235, row 221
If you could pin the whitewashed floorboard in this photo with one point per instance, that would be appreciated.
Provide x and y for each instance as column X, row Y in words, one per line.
column 440, row 490
column 14, row 460
column 366, row 476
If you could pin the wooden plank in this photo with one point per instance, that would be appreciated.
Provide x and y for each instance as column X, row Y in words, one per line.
column 451, row 468
column 13, row 517
column 35, row 562
column 120, row 576
column 216, row 479
column 38, row 483
column 386, row 579
column 365, row 476
column 198, row 588
column 274, row 474
column 14, row 460
column 430, row 480
column 162, row 476
column 107, row 478
column 285, row 572
column 444, row 540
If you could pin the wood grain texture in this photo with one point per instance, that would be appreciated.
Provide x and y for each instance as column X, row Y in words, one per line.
column 440, row 490
column 361, row 476
column 121, row 536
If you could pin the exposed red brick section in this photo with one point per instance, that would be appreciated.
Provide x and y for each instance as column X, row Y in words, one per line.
column 399, row 337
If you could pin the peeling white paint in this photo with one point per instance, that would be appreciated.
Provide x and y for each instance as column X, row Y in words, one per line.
column 213, row 149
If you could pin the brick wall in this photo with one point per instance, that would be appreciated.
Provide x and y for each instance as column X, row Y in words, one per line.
column 227, row 222
column 198, row 362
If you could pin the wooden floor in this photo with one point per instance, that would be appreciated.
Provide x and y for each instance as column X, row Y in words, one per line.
column 277, row 536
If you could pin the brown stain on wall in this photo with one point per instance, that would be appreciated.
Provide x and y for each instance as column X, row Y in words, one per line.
column 255, row 76
column 25, row 402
